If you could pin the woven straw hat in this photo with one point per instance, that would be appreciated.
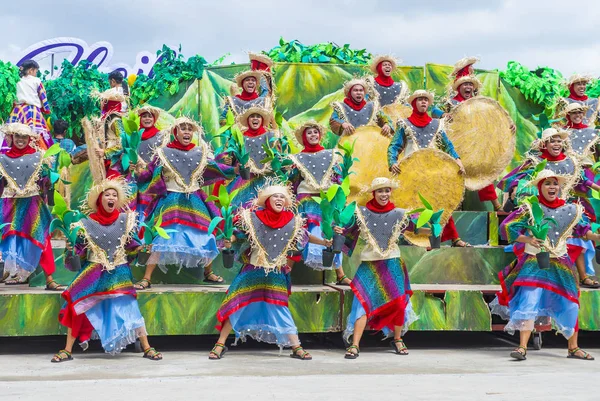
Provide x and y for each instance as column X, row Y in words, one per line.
column 380, row 59
column 382, row 182
column 421, row 93
column 270, row 190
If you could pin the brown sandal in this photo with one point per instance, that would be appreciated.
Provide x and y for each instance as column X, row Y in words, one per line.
column 62, row 356
column 573, row 354
column 152, row 354
column 518, row 355
column 142, row 285
column 54, row 286
column 218, row 280
column 399, row 347
column 218, row 355
column 303, row 355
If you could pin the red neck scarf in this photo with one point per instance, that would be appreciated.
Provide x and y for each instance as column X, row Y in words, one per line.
column 149, row 132
column 257, row 65
column 417, row 118
column 546, row 155
column 459, row 97
column 251, row 133
column 575, row 96
column 308, row 148
column 381, row 78
column 15, row 152
column 102, row 216
column 554, row 204
column 247, row 95
column 352, row 104
column 175, row 144
column 375, row 207
column 571, row 124
column 273, row 219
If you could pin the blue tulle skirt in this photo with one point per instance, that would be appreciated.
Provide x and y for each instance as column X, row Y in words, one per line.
column 117, row 321
column 313, row 253
column 188, row 247
column 265, row 322
column 530, row 305
column 358, row 311
column 589, row 252
column 21, row 257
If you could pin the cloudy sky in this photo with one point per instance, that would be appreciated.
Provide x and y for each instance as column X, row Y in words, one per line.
column 558, row 34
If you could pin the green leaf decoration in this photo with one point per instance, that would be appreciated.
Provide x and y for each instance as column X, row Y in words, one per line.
column 52, row 150
column 296, row 52
column 425, row 202
column 424, row 217
column 161, row 231
column 60, row 205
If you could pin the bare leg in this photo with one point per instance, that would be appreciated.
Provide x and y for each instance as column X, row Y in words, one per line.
column 61, row 355
column 149, row 352
column 398, row 343
column 217, row 350
column 520, row 352
column 210, row 275
column 583, row 277
column 146, row 282
column 341, row 276
column 497, row 205
column 359, row 329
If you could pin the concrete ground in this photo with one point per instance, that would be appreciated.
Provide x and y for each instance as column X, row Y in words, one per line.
column 480, row 370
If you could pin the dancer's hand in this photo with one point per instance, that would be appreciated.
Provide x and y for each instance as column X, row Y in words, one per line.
column 338, row 230
column 534, row 242
column 461, row 166
column 228, row 160
column 386, row 130
column 99, row 153
column 395, row 169
column 348, row 129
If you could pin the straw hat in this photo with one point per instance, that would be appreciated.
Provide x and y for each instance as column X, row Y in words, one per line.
column 18, row 129
column 239, row 78
column 309, row 124
column 267, row 115
column 573, row 107
column 118, row 184
column 467, row 78
column 155, row 111
column 186, row 120
column 269, row 190
column 462, row 64
column 382, row 182
column 578, row 78
column 551, row 132
column 421, row 93
column 262, row 58
column 545, row 174
column 356, row 81
column 110, row 94
column 380, row 59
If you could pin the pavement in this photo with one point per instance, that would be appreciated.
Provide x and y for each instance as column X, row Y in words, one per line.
column 479, row 371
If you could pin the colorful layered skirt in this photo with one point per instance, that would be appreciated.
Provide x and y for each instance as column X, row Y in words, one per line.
column 531, row 294
column 190, row 245
column 26, row 241
column 256, row 305
column 103, row 303
column 248, row 189
column 381, row 292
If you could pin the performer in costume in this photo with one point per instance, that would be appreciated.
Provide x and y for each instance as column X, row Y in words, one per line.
column 26, row 240
column 252, row 94
column 152, row 138
column 31, row 104
column 175, row 177
column 388, row 91
column 530, row 292
column 582, row 142
column 577, row 85
column 255, row 123
column 356, row 110
column 314, row 171
column 256, row 304
column 263, row 63
column 419, row 131
column 465, row 86
column 101, row 296
column 381, row 286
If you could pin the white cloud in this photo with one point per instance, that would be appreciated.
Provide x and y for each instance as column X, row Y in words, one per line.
column 536, row 32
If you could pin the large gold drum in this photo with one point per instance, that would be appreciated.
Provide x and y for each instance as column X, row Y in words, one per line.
column 397, row 111
column 436, row 176
column 480, row 130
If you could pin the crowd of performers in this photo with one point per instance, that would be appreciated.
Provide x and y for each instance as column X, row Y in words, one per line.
column 278, row 224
